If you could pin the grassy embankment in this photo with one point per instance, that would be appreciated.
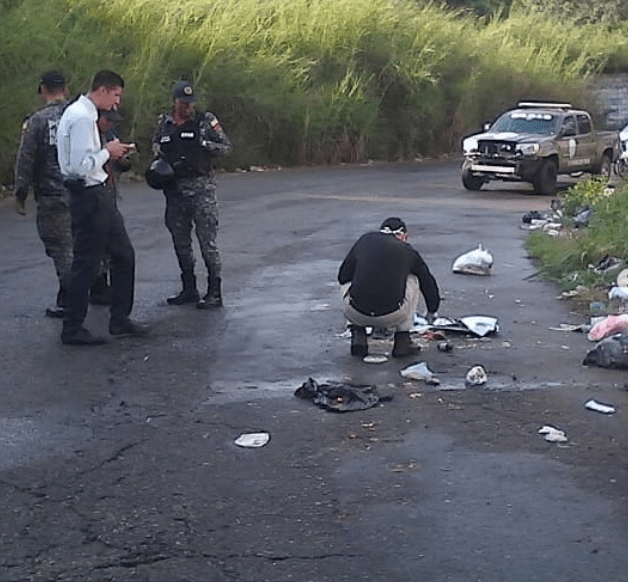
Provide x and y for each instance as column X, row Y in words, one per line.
column 569, row 259
column 298, row 82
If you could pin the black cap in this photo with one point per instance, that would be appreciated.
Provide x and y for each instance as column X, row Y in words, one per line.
column 393, row 225
column 184, row 91
column 112, row 115
column 51, row 80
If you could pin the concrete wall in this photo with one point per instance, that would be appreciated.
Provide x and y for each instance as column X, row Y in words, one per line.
column 610, row 94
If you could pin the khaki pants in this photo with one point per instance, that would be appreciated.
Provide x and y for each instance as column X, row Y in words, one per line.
column 400, row 320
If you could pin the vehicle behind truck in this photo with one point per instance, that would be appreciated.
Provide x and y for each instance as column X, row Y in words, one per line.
column 535, row 143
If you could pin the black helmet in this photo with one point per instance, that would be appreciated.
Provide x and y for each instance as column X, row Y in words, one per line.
column 160, row 175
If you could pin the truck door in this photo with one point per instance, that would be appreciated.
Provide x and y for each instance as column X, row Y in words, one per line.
column 586, row 141
column 570, row 156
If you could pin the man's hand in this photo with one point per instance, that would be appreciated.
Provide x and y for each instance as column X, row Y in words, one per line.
column 431, row 317
column 117, row 149
column 19, row 206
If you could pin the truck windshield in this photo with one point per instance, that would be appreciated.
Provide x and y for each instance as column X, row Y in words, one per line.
column 526, row 122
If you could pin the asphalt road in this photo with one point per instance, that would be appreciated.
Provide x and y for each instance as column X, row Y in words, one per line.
column 118, row 462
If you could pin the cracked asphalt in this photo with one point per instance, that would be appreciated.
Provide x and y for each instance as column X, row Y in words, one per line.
column 118, row 462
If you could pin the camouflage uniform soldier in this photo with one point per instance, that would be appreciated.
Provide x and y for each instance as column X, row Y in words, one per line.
column 189, row 140
column 37, row 166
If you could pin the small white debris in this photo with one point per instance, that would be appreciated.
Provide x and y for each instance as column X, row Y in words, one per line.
column 375, row 359
column 253, row 439
column 553, row 434
column 420, row 371
column 599, row 407
column 476, row 376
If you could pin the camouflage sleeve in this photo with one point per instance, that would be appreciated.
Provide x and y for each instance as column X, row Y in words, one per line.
column 158, row 132
column 25, row 161
column 213, row 136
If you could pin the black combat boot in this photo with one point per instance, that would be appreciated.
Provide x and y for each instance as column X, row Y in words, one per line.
column 213, row 297
column 188, row 294
column 359, row 346
column 403, row 346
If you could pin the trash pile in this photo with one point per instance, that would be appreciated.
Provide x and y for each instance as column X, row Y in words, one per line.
column 339, row 397
column 609, row 330
column 554, row 221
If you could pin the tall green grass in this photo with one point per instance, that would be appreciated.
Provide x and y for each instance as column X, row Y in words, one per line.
column 566, row 259
column 304, row 81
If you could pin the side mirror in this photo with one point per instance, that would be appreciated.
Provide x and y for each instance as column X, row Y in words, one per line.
column 487, row 125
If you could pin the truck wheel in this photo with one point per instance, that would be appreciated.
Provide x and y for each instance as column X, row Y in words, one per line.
column 606, row 167
column 545, row 179
column 471, row 182
column 621, row 167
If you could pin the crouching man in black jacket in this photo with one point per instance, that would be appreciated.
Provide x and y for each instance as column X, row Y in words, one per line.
column 382, row 280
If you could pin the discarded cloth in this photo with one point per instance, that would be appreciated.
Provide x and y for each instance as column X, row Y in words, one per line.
column 476, row 262
column 611, row 352
column 608, row 326
column 338, row 397
column 478, row 325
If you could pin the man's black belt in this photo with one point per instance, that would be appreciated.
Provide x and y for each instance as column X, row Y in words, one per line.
column 371, row 313
column 79, row 184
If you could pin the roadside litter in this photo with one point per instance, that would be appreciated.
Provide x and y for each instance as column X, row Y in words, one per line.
column 568, row 327
column 420, row 371
column 622, row 278
column 611, row 352
column 476, row 376
column 528, row 217
column 553, row 434
column 338, row 397
column 606, row 263
column 583, row 216
column 476, row 262
column 375, row 359
column 535, row 220
column 618, row 297
column 608, row 326
column 445, row 347
column 599, row 407
column 253, row 439
column 477, row 325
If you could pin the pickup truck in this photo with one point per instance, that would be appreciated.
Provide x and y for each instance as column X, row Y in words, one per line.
column 534, row 143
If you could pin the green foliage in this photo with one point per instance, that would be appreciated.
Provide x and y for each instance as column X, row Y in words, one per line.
column 304, row 81
column 566, row 259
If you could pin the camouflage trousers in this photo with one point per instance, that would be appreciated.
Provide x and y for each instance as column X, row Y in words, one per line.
column 54, row 225
column 194, row 205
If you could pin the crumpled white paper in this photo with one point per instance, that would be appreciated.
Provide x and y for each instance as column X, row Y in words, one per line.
column 253, row 439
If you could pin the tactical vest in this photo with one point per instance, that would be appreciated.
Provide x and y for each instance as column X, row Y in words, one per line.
column 181, row 146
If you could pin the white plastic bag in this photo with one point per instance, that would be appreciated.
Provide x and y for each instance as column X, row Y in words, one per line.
column 476, row 262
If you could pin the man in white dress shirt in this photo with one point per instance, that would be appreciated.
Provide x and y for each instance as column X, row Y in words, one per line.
column 97, row 225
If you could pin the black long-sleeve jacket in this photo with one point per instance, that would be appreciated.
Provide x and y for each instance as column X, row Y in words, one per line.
column 377, row 266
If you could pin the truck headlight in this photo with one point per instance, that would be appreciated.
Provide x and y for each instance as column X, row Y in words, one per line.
column 529, row 149
column 469, row 144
